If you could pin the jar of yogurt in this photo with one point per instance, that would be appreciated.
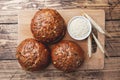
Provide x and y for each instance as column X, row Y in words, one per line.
column 79, row 28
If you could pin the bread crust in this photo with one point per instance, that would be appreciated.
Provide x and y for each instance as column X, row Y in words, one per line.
column 67, row 56
column 48, row 26
column 32, row 56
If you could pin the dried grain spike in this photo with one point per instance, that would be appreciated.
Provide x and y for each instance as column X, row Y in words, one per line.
column 98, row 43
column 89, row 47
column 96, row 26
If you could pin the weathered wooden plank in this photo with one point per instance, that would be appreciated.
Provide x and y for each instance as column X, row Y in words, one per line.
column 93, row 75
column 22, row 4
column 113, row 2
column 8, row 28
column 110, row 72
column 112, row 13
column 11, row 16
column 2, row 1
column 113, row 26
column 8, row 31
column 59, row 2
column 8, row 41
column 8, row 17
column 7, row 49
column 111, row 63
column 113, row 44
column 113, row 47
column 11, row 36
column 68, row 1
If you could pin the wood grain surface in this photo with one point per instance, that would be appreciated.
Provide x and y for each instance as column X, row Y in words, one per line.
column 9, row 67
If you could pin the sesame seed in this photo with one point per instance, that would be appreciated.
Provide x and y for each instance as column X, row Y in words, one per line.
column 43, row 36
column 56, row 53
column 54, row 31
column 54, row 62
column 55, row 27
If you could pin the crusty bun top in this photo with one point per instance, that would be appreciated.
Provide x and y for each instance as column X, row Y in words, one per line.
column 48, row 26
column 67, row 56
column 32, row 55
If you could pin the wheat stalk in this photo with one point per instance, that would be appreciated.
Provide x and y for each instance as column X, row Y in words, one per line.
column 95, row 25
column 99, row 45
column 89, row 47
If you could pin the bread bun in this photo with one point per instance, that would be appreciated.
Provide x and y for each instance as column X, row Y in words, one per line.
column 32, row 56
column 48, row 26
column 67, row 56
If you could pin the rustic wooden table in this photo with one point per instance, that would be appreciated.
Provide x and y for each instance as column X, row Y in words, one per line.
column 9, row 67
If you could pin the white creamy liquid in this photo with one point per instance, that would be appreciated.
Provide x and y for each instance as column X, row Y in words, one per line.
column 79, row 27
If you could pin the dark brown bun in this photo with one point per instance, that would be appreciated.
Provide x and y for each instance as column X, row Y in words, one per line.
column 32, row 56
column 67, row 56
column 48, row 26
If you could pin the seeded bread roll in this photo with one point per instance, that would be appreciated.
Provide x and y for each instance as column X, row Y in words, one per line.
column 67, row 56
column 32, row 56
column 48, row 26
